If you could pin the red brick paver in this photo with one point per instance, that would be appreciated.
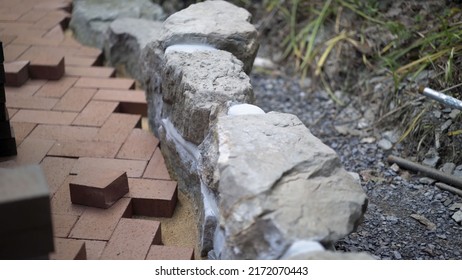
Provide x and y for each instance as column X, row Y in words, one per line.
column 98, row 187
column 98, row 224
column 156, row 168
column 157, row 252
column 134, row 168
column 123, row 245
column 69, row 249
column 95, row 113
column 118, row 127
column 102, row 83
column 139, row 145
column 69, row 115
column 153, row 198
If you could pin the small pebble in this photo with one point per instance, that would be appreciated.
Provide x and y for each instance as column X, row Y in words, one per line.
column 454, row 113
column 385, row 144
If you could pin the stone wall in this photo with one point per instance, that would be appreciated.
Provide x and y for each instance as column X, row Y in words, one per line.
column 264, row 187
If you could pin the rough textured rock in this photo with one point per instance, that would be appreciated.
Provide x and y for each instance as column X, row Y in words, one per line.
column 91, row 18
column 152, row 63
column 279, row 184
column 197, row 86
column 216, row 23
column 126, row 38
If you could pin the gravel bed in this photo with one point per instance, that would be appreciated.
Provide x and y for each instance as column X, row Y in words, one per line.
column 388, row 230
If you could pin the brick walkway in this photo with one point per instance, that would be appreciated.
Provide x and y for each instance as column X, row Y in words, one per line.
column 68, row 114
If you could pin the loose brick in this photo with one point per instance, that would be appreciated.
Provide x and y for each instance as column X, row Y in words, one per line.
column 22, row 130
column 99, row 224
column 153, row 198
column 159, row 252
column 95, row 113
column 134, row 168
column 47, row 67
column 16, row 73
column 84, row 149
column 98, row 187
column 131, row 101
column 31, row 102
column 101, row 83
column 25, row 216
column 156, row 168
column 44, row 117
column 64, row 132
column 56, row 89
column 94, row 249
column 74, row 100
column 62, row 224
column 118, row 127
column 69, row 249
column 139, row 145
column 56, row 170
column 61, row 201
column 95, row 72
column 13, row 51
column 44, row 63
column 123, row 245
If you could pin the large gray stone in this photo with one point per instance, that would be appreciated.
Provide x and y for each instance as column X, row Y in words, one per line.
column 91, row 18
column 216, row 23
column 279, row 184
column 126, row 38
column 198, row 85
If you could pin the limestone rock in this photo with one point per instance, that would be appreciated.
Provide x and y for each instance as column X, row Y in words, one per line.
column 216, row 23
column 197, row 86
column 126, row 38
column 279, row 184
column 91, row 18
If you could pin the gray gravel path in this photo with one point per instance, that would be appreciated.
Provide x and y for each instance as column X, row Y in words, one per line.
column 388, row 231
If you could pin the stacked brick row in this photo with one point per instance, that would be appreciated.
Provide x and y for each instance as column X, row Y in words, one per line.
column 7, row 140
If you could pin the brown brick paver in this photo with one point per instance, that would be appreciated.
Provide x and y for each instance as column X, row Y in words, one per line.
column 68, row 116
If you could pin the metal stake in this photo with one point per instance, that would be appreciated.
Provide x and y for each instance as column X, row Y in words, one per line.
column 442, row 98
